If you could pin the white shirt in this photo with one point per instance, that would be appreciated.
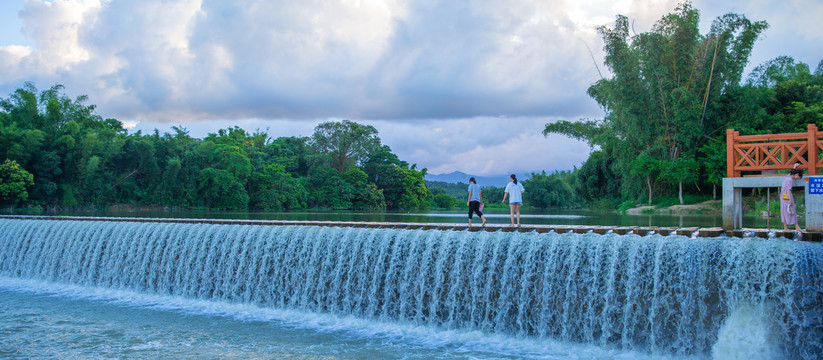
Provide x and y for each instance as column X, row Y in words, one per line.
column 515, row 192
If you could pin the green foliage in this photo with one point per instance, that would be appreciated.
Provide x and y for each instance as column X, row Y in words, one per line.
column 403, row 186
column 672, row 94
column 291, row 152
column 443, row 200
column 345, row 143
column 713, row 156
column 232, row 159
column 493, row 195
column 457, row 191
column 414, row 188
column 626, row 205
column 648, row 168
column 221, row 190
column 328, row 189
column 555, row 190
column 587, row 130
column 778, row 70
column 275, row 189
column 14, row 183
column 77, row 158
column 365, row 195
column 598, row 178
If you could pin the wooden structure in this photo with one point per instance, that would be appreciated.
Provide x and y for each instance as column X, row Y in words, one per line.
column 773, row 151
column 764, row 155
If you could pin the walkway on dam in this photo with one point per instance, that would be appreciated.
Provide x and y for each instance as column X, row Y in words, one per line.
column 578, row 229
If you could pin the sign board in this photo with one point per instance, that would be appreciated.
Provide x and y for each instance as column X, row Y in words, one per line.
column 814, row 203
column 815, row 185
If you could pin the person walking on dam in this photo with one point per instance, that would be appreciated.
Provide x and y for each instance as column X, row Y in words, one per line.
column 788, row 208
column 514, row 191
column 475, row 201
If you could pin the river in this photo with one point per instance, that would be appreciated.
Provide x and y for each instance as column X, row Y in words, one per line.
column 494, row 216
column 98, row 289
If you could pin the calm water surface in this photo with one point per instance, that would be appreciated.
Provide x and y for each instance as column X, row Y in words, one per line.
column 494, row 216
column 42, row 320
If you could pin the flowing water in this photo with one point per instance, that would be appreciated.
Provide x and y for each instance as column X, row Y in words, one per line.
column 121, row 289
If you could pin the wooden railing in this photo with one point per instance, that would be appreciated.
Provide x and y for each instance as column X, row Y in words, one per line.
column 773, row 151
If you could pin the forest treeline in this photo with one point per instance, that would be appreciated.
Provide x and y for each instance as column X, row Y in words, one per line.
column 555, row 190
column 669, row 97
column 59, row 152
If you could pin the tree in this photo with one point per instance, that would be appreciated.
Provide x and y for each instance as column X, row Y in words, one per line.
column 662, row 97
column 275, row 189
column 345, row 143
column 714, row 164
column 79, row 158
column 173, row 191
column 219, row 189
column 232, row 159
column 443, row 200
column 328, row 189
column 648, row 168
column 779, row 69
column 14, row 183
column 549, row 190
column 682, row 170
column 46, row 170
column 291, row 152
column 403, row 186
column 365, row 195
column 414, row 188
column 598, row 179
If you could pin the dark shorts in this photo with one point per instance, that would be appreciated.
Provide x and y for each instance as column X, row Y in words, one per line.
column 474, row 207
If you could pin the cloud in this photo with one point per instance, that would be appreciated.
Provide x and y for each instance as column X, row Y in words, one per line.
column 450, row 85
column 193, row 60
column 54, row 28
column 794, row 29
column 205, row 59
column 481, row 146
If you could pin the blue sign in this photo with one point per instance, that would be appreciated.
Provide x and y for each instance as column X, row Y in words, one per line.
column 815, row 184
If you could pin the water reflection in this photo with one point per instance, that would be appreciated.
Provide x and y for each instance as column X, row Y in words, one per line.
column 495, row 216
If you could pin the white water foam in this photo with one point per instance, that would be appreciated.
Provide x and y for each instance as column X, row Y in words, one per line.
column 662, row 295
column 747, row 334
column 426, row 336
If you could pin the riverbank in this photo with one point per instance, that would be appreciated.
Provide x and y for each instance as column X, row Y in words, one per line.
column 709, row 207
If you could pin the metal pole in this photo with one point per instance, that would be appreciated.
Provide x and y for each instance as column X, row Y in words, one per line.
column 768, row 209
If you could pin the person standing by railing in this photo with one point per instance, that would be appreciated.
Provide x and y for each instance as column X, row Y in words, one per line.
column 788, row 209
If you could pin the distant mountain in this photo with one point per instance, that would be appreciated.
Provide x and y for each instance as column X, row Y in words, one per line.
column 458, row 176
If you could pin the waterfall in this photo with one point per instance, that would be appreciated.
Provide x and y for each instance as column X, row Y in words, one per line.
column 659, row 294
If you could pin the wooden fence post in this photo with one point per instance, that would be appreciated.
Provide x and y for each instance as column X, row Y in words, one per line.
column 812, row 150
column 730, row 153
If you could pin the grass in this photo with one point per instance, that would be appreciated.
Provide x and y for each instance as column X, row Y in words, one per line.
column 626, row 205
column 759, row 204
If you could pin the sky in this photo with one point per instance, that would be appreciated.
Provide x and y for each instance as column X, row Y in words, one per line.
column 449, row 85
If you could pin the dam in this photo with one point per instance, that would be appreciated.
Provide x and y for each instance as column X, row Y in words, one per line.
column 664, row 293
